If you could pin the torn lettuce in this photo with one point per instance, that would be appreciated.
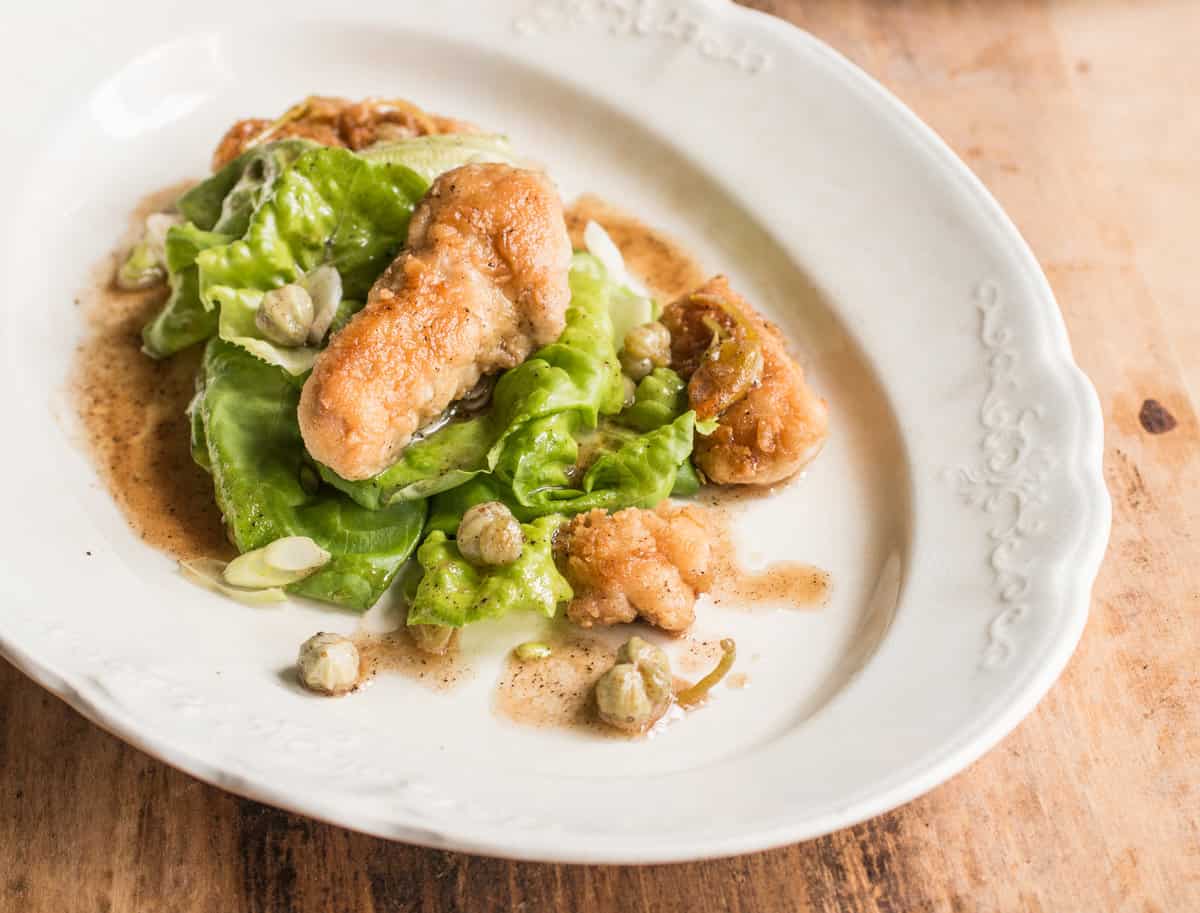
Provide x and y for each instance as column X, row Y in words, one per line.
column 639, row 473
column 447, row 508
column 577, row 373
column 225, row 201
column 327, row 207
column 632, row 470
column 429, row 156
column 183, row 320
column 246, row 417
column 454, row 592
column 661, row 397
column 452, row 455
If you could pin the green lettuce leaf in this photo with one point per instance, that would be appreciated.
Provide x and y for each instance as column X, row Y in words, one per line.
column 540, row 456
column 687, row 480
column 641, row 473
column 327, row 207
column 661, row 397
column 247, row 411
column 330, row 207
column 447, row 508
column 225, row 201
column 561, row 390
column 634, row 470
column 450, row 456
column 183, row 320
column 454, row 592
column 429, row 156
column 198, row 440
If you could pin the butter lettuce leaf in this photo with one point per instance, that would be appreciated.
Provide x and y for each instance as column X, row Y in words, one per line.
column 454, row 592
column 429, row 156
column 447, row 508
column 183, row 320
column 328, row 206
column 578, row 373
column 247, row 415
column 661, row 397
column 641, row 473
column 448, row 457
column 633, row 470
column 225, row 201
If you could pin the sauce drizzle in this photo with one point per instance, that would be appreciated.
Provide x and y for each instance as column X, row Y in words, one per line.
column 131, row 410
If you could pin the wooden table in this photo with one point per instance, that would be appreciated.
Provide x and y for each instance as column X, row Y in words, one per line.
column 1079, row 116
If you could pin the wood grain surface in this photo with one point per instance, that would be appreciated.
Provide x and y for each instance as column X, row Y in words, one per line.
column 1079, row 117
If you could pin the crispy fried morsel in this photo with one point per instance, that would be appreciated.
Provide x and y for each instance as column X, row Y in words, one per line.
column 482, row 284
column 338, row 122
column 635, row 563
column 778, row 425
column 379, row 119
column 315, row 118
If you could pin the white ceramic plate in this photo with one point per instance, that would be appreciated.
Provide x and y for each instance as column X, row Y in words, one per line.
column 959, row 504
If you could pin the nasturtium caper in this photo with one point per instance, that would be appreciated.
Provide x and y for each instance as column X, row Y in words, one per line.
column 489, row 534
column 433, row 639
column 328, row 664
column 635, row 693
column 285, row 315
column 635, row 368
column 651, row 341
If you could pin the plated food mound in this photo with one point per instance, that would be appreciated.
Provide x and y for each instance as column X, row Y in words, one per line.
column 407, row 366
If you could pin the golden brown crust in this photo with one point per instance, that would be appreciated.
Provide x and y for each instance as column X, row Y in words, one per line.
column 778, row 426
column 483, row 283
column 635, row 563
column 339, row 122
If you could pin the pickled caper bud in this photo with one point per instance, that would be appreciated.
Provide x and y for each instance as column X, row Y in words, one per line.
column 434, row 639
column 489, row 534
column 636, row 692
column 650, row 341
column 285, row 315
column 328, row 664
column 635, row 368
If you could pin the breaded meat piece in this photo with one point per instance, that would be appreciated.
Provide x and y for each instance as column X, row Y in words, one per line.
column 771, row 424
column 338, row 122
column 636, row 563
column 482, row 284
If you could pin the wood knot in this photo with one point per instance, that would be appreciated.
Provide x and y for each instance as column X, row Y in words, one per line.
column 1155, row 418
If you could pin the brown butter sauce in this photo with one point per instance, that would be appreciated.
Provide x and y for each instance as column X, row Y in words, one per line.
column 396, row 653
column 556, row 692
column 793, row 584
column 132, row 413
column 654, row 257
